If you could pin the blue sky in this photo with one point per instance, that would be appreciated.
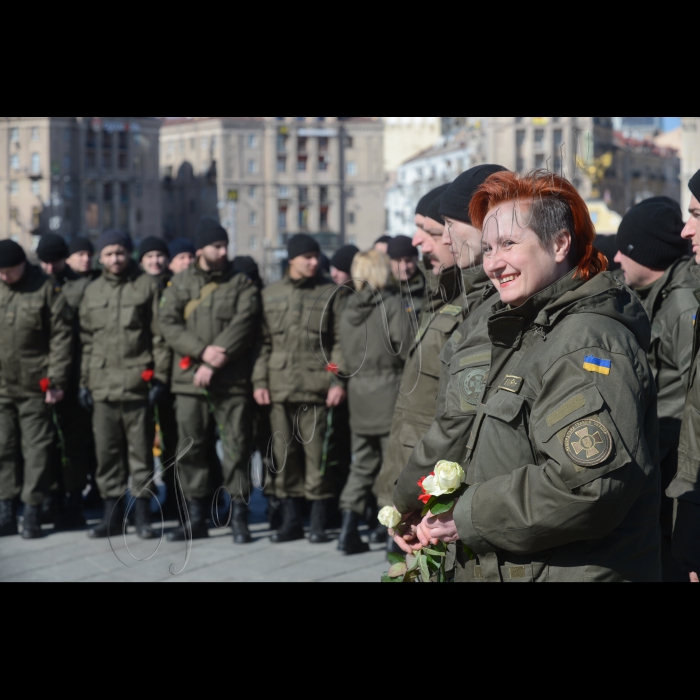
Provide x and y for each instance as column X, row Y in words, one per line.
column 671, row 123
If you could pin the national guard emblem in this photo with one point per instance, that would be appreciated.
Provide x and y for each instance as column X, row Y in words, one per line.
column 588, row 443
column 471, row 385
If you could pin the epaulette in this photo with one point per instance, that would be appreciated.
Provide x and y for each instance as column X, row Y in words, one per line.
column 451, row 310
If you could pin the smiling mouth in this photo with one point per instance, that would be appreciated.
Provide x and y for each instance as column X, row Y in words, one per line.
column 503, row 281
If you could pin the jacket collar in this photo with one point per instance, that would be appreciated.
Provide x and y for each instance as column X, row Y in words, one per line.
column 132, row 272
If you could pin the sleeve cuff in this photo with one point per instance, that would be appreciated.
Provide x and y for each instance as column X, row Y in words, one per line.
column 684, row 490
column 465, row 525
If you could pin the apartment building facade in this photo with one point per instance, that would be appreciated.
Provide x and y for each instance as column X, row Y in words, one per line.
column 78, row 176
column 267, row 178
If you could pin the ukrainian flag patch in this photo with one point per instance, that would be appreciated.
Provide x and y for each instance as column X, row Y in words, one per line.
column 596, row 365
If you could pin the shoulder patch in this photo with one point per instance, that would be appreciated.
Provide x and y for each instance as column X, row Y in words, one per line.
column 597, row 365
column 588, row 443
column 451, row 310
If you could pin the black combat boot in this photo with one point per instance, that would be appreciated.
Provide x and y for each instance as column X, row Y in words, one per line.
column 143, row 519
column 71, row 516
column 350, row 540
column 112, row 521
column 8, row 519
column 197, row 513
column 31, row 528
column 292, row 524
column 241, row 533
column 319, row 522
column 275, row 515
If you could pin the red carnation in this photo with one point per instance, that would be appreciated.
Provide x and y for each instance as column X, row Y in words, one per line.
column 148, row 375
column 45, row 385
column 333, row 369
column 185, row 363
column 425, row 498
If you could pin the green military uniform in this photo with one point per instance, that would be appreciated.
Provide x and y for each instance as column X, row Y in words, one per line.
column 671, row 306
column 563, row 456
column 291, row 365
column 121, row 339
column 417, row 403
column 686, row 485
column 36, row 343
column 200, row 309
column 74, row 422
column 375, row 335
column 465, row 362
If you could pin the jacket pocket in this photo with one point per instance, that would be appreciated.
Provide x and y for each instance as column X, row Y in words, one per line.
column 97, row 375
column 133, row 317
column 275, row 316
column 33, row 370
column 30, row 315
column 469, row 371
column 98, row 313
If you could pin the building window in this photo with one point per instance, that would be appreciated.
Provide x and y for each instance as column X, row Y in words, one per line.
column 252, row 167
column 253, row 218
column 352, row 168
column 14, row 162
column 14, row 187
column 36, row 188
column 35, row 133
column 14, row 135
column 253, row 192
column 252, row 143
column 36, row 163
column 253, row 243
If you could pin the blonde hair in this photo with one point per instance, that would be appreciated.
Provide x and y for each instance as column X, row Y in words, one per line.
column 371, row 267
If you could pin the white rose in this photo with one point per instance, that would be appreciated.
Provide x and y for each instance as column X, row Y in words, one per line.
column 448, row 478
column 390, row 518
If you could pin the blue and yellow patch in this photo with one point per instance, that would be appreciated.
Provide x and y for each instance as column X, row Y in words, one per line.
column 596, row 365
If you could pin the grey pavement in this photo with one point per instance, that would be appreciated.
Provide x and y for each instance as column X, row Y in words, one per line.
column 72, row 557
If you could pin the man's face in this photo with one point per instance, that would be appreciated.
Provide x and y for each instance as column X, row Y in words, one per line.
column 53, row 268
column 464, row 243
column 339, row 277
column 12, row 275
column 216, row 255
column 80, row 263
column 115, row 259
column 420, row 223
column 154, row 263
column 305, row 266
column 404, row 269
column 429, row 240
column 181, row 262
column 636, row 275
column 691, row 232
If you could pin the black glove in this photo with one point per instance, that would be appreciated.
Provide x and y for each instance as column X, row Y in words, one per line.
column 157, row 393
column 686, row 537
column 85, row 399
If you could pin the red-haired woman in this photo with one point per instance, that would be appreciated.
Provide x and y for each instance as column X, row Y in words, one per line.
column 563, row 456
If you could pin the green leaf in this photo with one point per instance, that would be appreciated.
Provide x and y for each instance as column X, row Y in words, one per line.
column 471, row 556
column 424, row 570
column 395, row 559
column 398, row 571
column 433, row 553
column 442, row 508
column 413, row 562
column 386, row 579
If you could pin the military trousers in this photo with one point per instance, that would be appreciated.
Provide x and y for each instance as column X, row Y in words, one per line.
column 124, row 434
column 26, row 449
column 198, row 470
column 368, row 454
column 299, row 432
column 77, row 434
column 170, row 441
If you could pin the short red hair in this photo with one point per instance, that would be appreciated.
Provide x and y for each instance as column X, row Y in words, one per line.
column 539, row 186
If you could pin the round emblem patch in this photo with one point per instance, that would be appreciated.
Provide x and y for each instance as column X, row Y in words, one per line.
column 471, row 385
column 588, row 443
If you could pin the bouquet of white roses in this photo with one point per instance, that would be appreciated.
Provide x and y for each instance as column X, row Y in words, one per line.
column 440, row 491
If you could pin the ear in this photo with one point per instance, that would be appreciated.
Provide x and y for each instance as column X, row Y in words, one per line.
column 562, row 246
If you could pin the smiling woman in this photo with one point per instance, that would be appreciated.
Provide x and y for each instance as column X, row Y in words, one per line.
column 561, row 465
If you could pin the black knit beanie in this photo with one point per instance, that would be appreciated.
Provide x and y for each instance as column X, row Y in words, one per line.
column 211, row 232
column 456, row 201
column 80, row 245
column 434, row 210
column 650, row 233
column 383, row 239
column 180, row 246
column 695, row 185
column 52, row 248
column 301, row 244
column 402, row 247
column 344, row 258
column 11, row 254
column 425, row 202
column 115, row 237
column 152, row 244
